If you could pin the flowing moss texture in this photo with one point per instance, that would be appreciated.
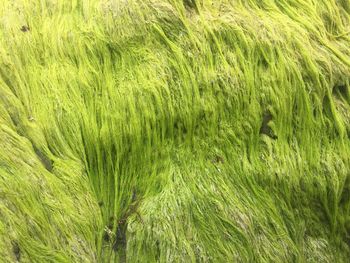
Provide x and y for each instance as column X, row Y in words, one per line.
column 175, row 131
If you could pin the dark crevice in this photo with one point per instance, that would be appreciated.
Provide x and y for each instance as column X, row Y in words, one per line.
column 340, row 90
column 14, row 118
column 116, row 231
column 265, row 128
column 16, row 250
column 345, row 195
column 157, row 250
column 25, row 28
column 43, row 159
column 190, row 4
column 217, row 159
column 120, row 238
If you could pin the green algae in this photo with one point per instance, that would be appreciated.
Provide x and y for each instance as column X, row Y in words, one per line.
column 174, row 131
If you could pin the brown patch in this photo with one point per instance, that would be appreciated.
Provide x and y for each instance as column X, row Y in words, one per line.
column 25, row 28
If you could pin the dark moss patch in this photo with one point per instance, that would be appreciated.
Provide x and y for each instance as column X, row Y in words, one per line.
column 217, row 159
column 25, row 28
column 43, row 159
column 16, row 250
column 107, row 234
column 340, row 90
column 265, row 128
column 345, row 196
column 190, row 4
column 120, row 239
